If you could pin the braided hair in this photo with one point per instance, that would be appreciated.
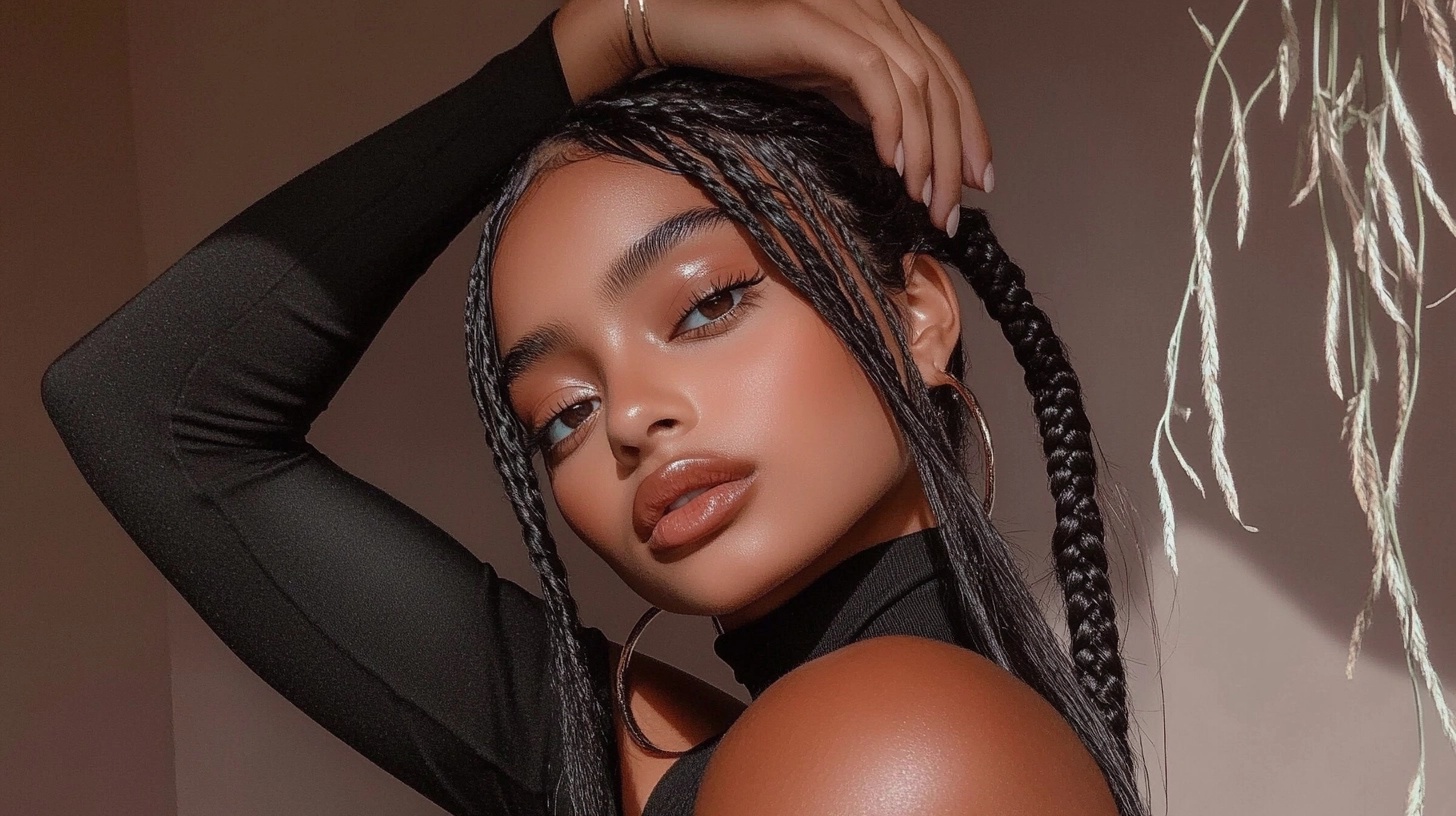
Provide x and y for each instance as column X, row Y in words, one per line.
column 777, row 160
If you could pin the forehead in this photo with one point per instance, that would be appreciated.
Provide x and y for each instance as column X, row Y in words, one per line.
column 570, row 225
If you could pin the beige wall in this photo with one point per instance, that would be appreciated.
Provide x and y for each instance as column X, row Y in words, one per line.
column 85, row 702
column 1090, row 109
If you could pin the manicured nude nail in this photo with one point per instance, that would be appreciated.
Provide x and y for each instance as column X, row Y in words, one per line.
column 953, row 221
column 988, row 179
column 900, row 157
column 925, row 193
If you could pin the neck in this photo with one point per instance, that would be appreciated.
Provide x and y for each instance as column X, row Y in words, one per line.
column 894, row 587
column 900, row 512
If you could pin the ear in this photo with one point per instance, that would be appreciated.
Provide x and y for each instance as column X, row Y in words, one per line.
column 931, row 312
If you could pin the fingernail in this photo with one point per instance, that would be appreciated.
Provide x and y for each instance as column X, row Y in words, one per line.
column 900, row 157
column 988, row 179
column 925, row 193
column 953, row 221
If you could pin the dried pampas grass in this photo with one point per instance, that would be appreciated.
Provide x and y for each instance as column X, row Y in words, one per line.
column 1374, row 210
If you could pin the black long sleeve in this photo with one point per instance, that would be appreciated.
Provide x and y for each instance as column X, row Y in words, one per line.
column 187, row 409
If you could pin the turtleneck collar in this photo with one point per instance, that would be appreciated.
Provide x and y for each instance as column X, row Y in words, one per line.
column 893, row 587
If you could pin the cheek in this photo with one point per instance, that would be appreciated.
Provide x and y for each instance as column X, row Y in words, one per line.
column 592, row 509
column 820, row 419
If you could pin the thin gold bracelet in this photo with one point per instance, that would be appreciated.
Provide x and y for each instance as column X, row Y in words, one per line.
column 647, row 31
column 632, row 35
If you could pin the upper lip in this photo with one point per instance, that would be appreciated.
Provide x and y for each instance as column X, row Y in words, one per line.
column 664, row 485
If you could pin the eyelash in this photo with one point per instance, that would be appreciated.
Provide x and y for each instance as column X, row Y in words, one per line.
column 744, row 281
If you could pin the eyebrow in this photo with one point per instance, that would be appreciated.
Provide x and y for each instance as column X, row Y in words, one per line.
column 624, row 273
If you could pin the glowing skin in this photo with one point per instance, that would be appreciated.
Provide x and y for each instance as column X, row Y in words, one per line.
column 755, row 374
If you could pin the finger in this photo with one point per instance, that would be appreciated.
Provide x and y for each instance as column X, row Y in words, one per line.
column 913, row 70
column 945, row 141
column 824, row 43
column 913, row 76
column 975, row 141
column 946, row 145
column 943, row 153
column 945, row 124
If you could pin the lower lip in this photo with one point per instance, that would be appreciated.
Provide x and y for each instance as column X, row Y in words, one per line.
column 707, row 513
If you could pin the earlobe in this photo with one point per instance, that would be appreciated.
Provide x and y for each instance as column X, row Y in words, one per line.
column 931, row 311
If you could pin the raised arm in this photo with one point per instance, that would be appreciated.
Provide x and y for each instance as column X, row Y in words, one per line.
column 187, row 409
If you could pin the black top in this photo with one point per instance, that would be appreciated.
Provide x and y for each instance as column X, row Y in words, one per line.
column 187, row 412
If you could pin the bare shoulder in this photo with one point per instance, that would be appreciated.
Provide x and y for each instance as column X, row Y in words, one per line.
column 902, row 724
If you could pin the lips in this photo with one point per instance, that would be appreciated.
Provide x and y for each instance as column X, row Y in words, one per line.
column 676, row 479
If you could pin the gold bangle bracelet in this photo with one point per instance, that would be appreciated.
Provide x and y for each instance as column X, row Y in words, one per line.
column 647, row 34
column 632, row 35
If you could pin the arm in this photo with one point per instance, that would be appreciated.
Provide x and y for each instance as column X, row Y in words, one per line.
column 902, row 724
column 187, row 409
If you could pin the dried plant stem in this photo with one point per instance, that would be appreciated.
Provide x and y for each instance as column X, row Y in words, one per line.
column 1200, row 290
column 1375, row 213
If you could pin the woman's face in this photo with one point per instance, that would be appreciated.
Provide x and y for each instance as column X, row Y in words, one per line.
column 645, row 371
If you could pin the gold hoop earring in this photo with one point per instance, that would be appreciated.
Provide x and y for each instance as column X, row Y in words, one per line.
column 619, row 689
column 988, row 499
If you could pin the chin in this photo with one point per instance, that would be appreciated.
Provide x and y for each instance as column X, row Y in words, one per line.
column 731, row 570
column 710, row 583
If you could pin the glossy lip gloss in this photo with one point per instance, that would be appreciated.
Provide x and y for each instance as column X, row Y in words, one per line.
column 705, row 514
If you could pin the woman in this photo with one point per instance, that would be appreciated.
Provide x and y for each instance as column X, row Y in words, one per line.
column 187, row 411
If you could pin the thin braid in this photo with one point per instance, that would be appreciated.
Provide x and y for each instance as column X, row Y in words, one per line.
column 588, row 745
column 1077, row 541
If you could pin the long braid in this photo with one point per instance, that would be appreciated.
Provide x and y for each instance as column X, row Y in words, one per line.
column 1077, row 541
column 588, row 754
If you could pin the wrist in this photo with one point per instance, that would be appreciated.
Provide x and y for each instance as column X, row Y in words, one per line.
column 591, row 42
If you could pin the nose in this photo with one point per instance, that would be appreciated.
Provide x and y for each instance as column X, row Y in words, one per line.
column 645, row 406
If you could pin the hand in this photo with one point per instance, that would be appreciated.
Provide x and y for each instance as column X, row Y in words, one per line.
column 873, row 59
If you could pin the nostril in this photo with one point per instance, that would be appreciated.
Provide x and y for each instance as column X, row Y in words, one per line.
column 664, row 424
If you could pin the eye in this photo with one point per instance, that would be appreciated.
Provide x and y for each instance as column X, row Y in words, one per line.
column 722, row 300
column 718, row 305
column 568, row 416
